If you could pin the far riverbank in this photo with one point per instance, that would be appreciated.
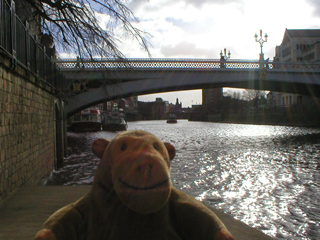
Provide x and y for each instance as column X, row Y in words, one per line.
column 282, row 117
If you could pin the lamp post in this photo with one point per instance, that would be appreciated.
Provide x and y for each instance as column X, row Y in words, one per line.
column 261, row 41
column 263, row 65
column 225, row 56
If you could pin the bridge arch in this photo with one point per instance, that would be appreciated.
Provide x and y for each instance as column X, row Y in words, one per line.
column 251, row 80
column 151, row 76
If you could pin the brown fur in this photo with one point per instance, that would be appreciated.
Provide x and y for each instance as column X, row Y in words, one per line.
column 132, row 197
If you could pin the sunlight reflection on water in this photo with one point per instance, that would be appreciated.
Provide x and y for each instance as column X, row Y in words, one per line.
column 265, row 176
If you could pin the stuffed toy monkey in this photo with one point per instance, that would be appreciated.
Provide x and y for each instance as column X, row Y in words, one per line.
column 132, row 198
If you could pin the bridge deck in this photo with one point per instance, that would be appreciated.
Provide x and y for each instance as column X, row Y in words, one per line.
column 22, row 213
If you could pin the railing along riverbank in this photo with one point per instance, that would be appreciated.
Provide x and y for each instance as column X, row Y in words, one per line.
column 23, row 49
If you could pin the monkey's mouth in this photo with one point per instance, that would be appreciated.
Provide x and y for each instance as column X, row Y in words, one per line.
column 144, row 188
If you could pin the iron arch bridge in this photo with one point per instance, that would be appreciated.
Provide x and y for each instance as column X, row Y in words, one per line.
column 90, row 82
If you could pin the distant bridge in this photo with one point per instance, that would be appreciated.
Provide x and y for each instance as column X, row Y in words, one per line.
column 94, row 81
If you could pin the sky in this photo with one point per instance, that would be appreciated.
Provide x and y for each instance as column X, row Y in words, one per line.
column 202, row 28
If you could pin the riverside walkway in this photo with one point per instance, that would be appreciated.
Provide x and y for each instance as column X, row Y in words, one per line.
column 24, row 211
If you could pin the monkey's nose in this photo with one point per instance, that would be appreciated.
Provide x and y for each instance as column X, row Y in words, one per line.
column 145, row 167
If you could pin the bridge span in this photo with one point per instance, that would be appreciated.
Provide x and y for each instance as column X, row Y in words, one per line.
column 94, row 81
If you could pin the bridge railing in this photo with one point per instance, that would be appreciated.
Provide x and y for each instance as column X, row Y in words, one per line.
column 156, row 63
column 21, row 47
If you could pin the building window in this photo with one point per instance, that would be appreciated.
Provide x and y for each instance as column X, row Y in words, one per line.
column 303, row 46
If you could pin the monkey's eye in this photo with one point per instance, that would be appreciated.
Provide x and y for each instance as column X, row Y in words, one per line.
column 156, row 146
column 123, row 146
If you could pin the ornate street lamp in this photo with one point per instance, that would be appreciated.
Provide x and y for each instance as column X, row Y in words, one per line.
column 225, row 56
column 261, row 41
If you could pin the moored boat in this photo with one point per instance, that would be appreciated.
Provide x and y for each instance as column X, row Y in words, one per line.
column 172, row 118
column 88, row 120
column 113, row 122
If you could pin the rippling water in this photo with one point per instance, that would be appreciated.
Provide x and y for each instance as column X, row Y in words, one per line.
column 265, row 176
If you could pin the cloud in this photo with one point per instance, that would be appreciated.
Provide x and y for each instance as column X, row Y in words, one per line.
column 186, row 49
column 202, row 28
column 152, row 5
column 316, row 5
column 199, row 3
column 191, row 27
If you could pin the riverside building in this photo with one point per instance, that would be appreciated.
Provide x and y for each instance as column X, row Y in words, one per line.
column 298, row 45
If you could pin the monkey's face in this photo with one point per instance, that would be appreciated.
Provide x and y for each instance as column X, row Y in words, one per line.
column 140, row 170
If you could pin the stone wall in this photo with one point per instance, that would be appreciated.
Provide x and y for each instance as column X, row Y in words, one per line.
column 27, row 129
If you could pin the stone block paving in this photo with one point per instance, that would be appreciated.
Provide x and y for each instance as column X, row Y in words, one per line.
column 24, row 211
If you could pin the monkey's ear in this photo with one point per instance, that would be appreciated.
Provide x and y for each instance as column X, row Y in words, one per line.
column 171, row 150
column 98, row 146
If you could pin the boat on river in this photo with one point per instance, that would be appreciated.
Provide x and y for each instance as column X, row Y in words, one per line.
column 88, row 120
column 172, row 118
column 114, row 121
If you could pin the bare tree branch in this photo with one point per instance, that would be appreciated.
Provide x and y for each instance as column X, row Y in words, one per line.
column 75, row 28
column 250, row 94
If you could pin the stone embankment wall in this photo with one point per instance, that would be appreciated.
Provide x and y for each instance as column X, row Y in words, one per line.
column 27, row 129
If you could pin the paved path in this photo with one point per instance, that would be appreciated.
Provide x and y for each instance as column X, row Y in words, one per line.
column 24, row 211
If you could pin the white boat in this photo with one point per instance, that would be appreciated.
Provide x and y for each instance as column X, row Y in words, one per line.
column 114, row 121
column 88, row 120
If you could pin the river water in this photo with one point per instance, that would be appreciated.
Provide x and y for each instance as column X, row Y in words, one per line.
column 265, row 176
